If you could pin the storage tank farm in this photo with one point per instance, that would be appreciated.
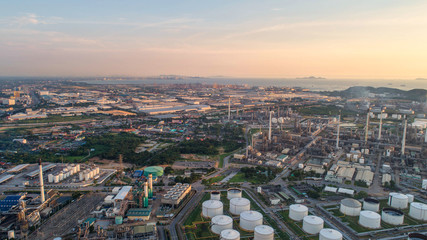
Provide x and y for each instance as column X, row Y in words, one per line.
column 350, row 207
column 312, row 224
column 234, row 193
column 392, row 216
column 239, row 205
column 418, row 211
column 370, row 219
column 250, row 219
column 215, row 195
column 297, row 212
column 410, row 198
column 397, row 200
column 329, row 234
column 212, row 208
column 371, row 204
column 263, row 232
column 230, row 234
column 220, row 223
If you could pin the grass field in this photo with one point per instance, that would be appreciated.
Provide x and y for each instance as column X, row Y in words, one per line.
column 240, row 177
column 215, row 179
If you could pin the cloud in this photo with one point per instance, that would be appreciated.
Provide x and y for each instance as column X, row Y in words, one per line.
column 28, row 19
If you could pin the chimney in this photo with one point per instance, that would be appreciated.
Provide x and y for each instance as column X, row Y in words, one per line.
column 229, row 108
column 269, row 127
column 150, row 181
column 367, row 127
column 146, row 189
column 338, row 131
column 41, row 181
column 404, row 136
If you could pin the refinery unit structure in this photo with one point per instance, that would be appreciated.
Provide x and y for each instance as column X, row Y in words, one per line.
column 176, row 194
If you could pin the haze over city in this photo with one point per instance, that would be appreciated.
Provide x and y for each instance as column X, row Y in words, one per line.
column 379, row 39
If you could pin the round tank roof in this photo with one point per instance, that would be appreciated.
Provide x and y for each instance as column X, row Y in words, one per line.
column 399, row 195
column 330, row 233
column 240, row 201
column 298, row 208
column 156, row 171
column 212, row 204
column 251, row 215
column 370, row 214
column 222, row 220
column 393, row 211
column 230, row 234
column 234, row 190
column 371, row 200
column 350, row 202
column 419, row 205
column 264, row 229
column 313, row 220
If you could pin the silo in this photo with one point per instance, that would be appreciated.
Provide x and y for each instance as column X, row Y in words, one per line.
column 81, row 176
column 329, row 234
column 371, row 204
column 56, row 179
column 230, row 234
column 50, row 178
column 87, row 176
column 398, row 200
column 239, row 205
column 215, row 195
column 61, row 176
column 97, row 170
column 91, row 174
column 312, row 224
column 71, row 170
column 297, row 212
column 410, row 198
column 263, row 232
column 392, row 216
column 234, row 193
column 418, row 211
column 211, row 208
column 250, row 219
column 220, row 223
column 78, row 167
column 75, row 169
column 350, row 207
column 370, row 219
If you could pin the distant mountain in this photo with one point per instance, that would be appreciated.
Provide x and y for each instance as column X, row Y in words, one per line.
column 422, row 79
column 419, row 95
column 312, row 78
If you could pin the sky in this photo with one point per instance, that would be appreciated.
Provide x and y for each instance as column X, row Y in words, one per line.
column 364, row 39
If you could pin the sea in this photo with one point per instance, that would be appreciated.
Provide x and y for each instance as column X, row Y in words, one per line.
column 314, row 84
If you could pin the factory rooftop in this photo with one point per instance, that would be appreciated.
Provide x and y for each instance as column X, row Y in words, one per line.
column 18, row 168
column 37, row 171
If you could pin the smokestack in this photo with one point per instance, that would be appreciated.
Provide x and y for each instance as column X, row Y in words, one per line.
column 338, row 131
column 425, row 137
column 41, row 181
column 404, row 136
column 229, row 109
column 367, row 127
column 150, row 181
column 146, row 189
column 269, row 127
column 381, row 124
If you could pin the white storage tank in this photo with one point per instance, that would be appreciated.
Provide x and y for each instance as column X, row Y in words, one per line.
column 239, row 205
column 329, row 234
column 234, row 193
column 418, row 211
column 215, row 195
column 263, row 232
column 61, row 176
column 250, row 219
column 91, row 174
column 97, row 170
column 371, row 204
column 230, row 234
column 50, row 178
column 220, row 223
column 87, row 176
column 312, row 224
column 211, row 208
column 392, row 216
column 350, row 207
column 78, row 167
column 370, row 219
column 297, row 212
column 410, row 198
column 56, row 179
column 81, row 176
column 398, row 200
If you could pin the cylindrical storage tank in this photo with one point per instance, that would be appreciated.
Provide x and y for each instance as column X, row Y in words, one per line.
column 119, row 220
column 250, row 219
column 11, row 234
column 239, row 205
column 410, row 198
column 263, row 232
column 398, row 200
column 87, row 176
column 329, row 234
column 230, row 234
column 56, row 179
column 61, row 176
column 417, row 236
column 220, row 223
column 50, row 178
column 371, row 204
column 91, row 174
column 81, row 176
column 71, row 170
column 350, row 207
column 297, row 212
column 312, row 224
column 215, row 195
column 418, row 211
column 167, row 196
column 97, row 170
column 211, row 208
column 234, row 193
column 370, row 219
column 75, row 169
column 78, row 167
column 392, row 216
column 66, row 174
